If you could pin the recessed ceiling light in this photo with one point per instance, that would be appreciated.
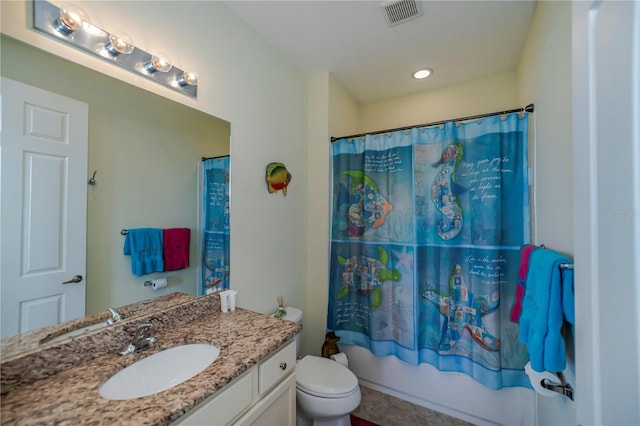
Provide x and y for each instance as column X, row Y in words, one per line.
column 423, row 73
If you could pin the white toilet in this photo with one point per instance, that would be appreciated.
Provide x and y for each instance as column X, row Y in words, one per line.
column 326, row 391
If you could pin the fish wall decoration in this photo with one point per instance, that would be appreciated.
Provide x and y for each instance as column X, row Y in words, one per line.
column 277, row 178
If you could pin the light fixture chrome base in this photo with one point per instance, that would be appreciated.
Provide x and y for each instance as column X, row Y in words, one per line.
column 110, row 48
column 60, row 27
column 148, row 67
column 94, row 40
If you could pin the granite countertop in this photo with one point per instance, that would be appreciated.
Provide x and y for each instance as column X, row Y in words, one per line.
column 33, row 340
column 36, row 390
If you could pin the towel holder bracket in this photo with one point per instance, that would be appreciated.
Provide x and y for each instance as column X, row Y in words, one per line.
column 564, row 389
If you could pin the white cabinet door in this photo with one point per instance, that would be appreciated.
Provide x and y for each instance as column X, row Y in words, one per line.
column 222, row 408
column 44, row 146
column 277, row 408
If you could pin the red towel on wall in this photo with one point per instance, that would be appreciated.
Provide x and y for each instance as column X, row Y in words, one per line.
column 176, row 248
column 525, row 253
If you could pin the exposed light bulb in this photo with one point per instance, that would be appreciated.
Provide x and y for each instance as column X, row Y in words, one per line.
column 423, row 73
column 119, row 44
column 188, row 78
column 158, row 63
column 71, row 18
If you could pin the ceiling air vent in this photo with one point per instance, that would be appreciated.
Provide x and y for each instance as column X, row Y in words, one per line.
column 398, row 11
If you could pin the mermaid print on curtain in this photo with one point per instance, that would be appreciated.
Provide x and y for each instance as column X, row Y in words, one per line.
column 427, row 226
column 215, row 213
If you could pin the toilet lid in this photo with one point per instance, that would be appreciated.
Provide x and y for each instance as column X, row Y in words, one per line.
column 324, row 377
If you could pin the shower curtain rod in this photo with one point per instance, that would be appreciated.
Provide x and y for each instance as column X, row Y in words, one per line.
column 528, row 108
column 213, row 158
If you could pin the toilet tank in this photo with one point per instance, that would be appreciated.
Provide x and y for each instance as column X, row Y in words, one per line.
column 295, row 315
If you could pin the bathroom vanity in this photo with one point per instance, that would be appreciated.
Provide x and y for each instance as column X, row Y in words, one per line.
column 266, row 394
column 252, row 381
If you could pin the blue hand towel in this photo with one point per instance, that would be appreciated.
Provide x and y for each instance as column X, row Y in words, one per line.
column 542, row 310
column 145, row 247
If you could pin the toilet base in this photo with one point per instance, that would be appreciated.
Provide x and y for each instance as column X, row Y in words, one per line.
column 302, row 420
column 342, row 421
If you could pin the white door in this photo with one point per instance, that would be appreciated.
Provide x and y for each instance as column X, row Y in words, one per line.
column 44, row 144
column 606, row 161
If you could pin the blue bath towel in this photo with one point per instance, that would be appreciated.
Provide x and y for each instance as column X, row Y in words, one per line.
column 145, row 247
column 568, row 303
column 542, row 310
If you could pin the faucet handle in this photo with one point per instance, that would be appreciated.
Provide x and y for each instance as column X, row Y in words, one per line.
column 140, row 330
column 115, row 316
column 139, row 341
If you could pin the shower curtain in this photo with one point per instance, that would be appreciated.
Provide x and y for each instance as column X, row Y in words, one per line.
column 427, row 225
column 215, row 214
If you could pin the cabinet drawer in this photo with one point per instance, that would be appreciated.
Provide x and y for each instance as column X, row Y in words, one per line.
column 273, row 369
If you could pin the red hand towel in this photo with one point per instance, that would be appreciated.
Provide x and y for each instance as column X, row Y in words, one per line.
column 525, row 253
column 176, row 248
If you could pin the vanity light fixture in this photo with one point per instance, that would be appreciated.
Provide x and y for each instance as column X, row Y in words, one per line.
column 158, row 63
column 70, row 25
column 422, row 74
column 119, row 44
column 70, row 19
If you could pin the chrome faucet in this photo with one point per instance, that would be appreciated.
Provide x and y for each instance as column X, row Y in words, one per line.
column 140, row 341
column 115, row 316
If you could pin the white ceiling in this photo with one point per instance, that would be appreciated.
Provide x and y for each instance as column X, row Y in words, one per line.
column 460, row 40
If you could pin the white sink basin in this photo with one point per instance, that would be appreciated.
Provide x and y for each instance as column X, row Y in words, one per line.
column 159, row 371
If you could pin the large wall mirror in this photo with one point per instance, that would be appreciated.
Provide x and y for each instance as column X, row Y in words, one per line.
column 145, row 151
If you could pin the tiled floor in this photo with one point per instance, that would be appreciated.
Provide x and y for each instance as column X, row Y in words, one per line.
column 386, row 410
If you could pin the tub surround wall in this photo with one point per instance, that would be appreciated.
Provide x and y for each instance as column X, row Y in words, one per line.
column 484, row 95
column 66, row 376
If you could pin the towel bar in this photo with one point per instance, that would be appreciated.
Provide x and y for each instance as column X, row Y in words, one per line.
column 562, row 265
column 566, row 390
column 124, row 231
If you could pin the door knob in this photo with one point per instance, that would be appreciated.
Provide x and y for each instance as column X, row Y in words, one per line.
column 75, row 279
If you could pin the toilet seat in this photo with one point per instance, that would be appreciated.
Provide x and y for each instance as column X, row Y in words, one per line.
column 325, row 378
